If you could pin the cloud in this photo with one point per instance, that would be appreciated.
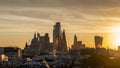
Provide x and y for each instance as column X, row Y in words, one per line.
column 62, row 3
column 79, row 15
column 76, row 16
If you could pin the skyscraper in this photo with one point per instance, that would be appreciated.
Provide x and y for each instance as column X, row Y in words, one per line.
column 59, row 38
column 63, row 42
column 42, row 43
column 75, row 40
column 77, row 45
column 98, row 41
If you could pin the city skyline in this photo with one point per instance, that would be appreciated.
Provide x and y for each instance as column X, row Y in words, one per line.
column 86, row 38
column 20, row 19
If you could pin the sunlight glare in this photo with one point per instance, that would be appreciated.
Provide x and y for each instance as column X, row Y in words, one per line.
column 117, row 40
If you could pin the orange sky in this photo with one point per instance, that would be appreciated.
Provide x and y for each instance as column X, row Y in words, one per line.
column 19, row 38
column 19, row 19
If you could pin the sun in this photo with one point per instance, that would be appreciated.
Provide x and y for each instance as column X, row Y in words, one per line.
column 117, row 40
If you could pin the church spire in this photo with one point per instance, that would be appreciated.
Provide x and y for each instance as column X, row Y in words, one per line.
column 26, row 44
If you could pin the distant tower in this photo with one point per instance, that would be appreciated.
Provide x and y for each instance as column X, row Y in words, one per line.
column 63, row 42
column 57, row 36
column 26, row 48
column 26, row 45
column 98, row 41
column 46, row 41
column 75, row 39
column 77, row 45
column 34, row 42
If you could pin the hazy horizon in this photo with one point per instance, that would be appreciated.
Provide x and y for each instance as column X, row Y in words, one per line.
column 20, row 38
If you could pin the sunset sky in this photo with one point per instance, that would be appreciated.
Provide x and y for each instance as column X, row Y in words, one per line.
column 19, row 19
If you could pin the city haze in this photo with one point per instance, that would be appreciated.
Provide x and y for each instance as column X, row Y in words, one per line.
column 19, row 19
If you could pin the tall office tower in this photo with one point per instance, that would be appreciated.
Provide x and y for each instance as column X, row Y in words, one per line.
column 63, row 42
column 75, row 40
column 98, row 41
column 77, row 45
column 57, row 36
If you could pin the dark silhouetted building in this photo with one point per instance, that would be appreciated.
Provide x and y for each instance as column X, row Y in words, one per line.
column 75, row 50
column 77, row 45
column 98, row 41
column 38, row 44
column 59, row 38
column 35, row 43
column 14, row 54
column 63, row 42
column 42, row 43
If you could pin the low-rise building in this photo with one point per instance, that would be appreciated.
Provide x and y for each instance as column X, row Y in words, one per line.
column 13, row 54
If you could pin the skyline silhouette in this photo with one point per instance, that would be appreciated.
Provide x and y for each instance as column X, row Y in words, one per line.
column 20, row 19
column 87, row 38
column 59, row 34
